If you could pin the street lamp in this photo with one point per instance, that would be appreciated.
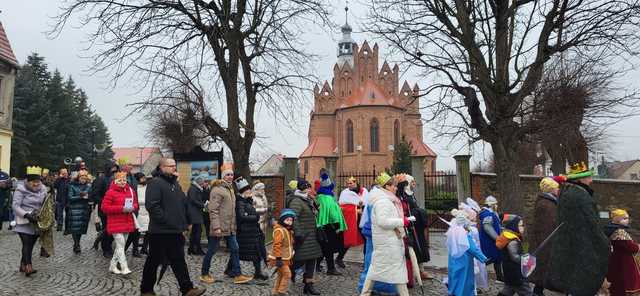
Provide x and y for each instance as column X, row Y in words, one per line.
column 93, row 149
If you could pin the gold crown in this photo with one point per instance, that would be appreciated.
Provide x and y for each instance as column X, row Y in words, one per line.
column 34, row 170
column 352, row 179
column 45, row 171
column 122, row 161
column 577, row 168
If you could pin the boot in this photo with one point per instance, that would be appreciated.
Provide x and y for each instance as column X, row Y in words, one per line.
column 333, row 272
column 76, row 248
column 340, row 263
column 136, row 252
column 258, row 275
column 113, row 268
column 22, row 267
column 309, row 289
column 28, row 270
column 43, row 253
column 96, row 242
column 59, row 228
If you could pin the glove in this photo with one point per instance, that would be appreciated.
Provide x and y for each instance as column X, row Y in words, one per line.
column 279, row 262
column 412, row 218
column 31, row 217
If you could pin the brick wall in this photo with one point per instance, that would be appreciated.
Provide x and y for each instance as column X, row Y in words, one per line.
column 611, row 194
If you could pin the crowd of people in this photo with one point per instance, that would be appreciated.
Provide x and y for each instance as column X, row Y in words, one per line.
column 568, row 250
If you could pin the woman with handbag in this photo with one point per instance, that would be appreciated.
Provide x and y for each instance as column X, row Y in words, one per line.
column 28, row 200
column 118, row 205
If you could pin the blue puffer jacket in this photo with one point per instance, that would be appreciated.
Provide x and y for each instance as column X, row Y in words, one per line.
column 77, row 209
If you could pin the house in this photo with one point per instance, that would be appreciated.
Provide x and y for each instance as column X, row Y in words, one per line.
column 141, row 159
column 272, row 166
column 362, row 115
column 623, row 170
column 8, row 71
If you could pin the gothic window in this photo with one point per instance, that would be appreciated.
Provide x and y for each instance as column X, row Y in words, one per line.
column 374, row 130
column 349, row 133
column 396, row 133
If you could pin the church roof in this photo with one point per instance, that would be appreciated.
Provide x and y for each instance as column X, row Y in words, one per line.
column 369, row 94
column 319, row 147
column 420, row 148
column 6, row 53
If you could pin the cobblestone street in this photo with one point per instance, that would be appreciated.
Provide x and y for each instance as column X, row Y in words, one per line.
column 86, row 274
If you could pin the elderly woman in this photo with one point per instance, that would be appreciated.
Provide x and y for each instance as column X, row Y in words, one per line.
column 248, row 235
column 387, row 224
column 118, row 205
column 28, row 201
column 78, row 209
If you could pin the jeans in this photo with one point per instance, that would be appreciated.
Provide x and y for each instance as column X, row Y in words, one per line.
column 118, row 254
column 28, row 241
column 59, row 213
column 234, row 257
column 169, row 247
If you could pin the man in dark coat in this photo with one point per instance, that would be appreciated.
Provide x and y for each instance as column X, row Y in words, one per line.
column 545, row 221
column 166, row 204
column 580, row 253
column 195, row 205
column 61, row 185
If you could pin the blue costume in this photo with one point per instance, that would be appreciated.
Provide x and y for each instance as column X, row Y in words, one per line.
column 380, row 288
column 487, row 243
column 461, row 278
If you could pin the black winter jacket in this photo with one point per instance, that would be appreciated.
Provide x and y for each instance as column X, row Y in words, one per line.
column 166, row 204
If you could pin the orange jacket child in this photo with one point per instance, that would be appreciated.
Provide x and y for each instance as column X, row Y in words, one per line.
column 282, row 251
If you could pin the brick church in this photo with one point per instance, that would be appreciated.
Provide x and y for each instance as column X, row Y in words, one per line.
column 360, row 116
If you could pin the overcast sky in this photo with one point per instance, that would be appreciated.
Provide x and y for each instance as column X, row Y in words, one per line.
column 27, row 21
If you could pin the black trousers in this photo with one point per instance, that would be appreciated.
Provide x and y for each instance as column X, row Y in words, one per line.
column 107, row 240
column 309, row 268
column 165, row 248
column 194, row 238
column 28, row 241
column 76, row 238
column 133, row 238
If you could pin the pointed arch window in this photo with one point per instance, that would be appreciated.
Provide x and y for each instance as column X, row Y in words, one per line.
column 349, row 133
column 396, row 133
column 374, row 131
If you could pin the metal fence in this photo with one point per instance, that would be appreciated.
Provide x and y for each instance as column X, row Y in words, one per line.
column 365, row 179
column 440, row 197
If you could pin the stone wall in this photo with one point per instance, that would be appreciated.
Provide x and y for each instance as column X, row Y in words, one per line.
column 611, row 194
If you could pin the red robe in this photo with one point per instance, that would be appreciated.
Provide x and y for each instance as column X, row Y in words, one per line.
column 352, row 236
column 624, row 269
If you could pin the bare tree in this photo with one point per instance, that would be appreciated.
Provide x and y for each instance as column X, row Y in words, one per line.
column 227, row 56
column 486, row 57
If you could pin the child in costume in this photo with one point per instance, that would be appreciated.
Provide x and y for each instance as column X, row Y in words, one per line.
column 462, row 250
column 510, row 245
column 471, row 209
column 490, row 228
column 282, row 251
column 624, row 267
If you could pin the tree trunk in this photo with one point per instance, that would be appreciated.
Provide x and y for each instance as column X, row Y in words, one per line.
column 241, row 162
column 508, row 179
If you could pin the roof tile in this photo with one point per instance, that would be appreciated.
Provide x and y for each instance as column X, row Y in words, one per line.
column 6, row 53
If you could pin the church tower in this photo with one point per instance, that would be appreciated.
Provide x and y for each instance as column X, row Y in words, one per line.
column 346, row 44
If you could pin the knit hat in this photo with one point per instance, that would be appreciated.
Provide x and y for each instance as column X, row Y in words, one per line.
column 578, row 171
column 324, row 177
column 242, row 184
column 618, row 214
column 4, row 176
column 383, row 179
column 293, row 184
column 226, row 168
column 490, row 200
column 302, row 184
column 34, row 173
column 400, row 178
column 286, row 213
column 547, row 185
column 120, row 175
column 258, row 186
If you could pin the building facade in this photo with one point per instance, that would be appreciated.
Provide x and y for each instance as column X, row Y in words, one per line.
column 8, row 71
column 360, row 117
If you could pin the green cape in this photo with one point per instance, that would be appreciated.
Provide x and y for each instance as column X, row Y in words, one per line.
column 330, row 212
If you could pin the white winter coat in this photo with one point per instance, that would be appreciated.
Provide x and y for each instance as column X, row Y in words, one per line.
column 388, row 263
column 143, row 214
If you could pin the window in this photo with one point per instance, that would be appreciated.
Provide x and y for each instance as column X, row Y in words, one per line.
column 634, row 176
column 374, row 131
column 396, row 133
column 306, row 167
column 349, row 133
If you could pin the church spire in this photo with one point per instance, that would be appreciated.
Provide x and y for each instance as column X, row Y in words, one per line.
column 346, row 44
